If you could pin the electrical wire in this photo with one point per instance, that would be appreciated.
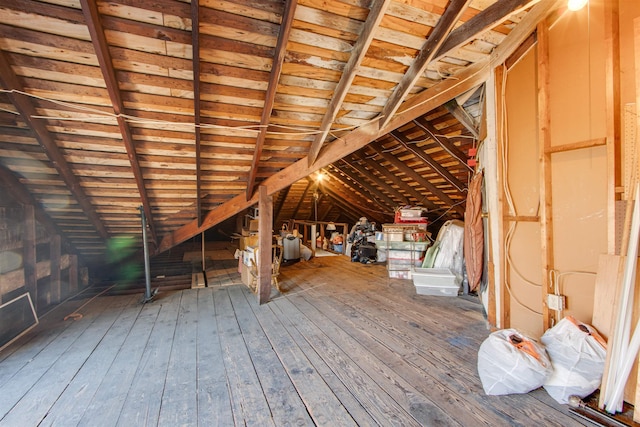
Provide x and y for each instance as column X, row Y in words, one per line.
column 504, row 153
column 101, row 116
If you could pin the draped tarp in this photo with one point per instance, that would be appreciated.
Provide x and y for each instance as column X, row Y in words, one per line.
column 474, row 232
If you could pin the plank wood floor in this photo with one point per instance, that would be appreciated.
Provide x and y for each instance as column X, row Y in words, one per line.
column 343, row 346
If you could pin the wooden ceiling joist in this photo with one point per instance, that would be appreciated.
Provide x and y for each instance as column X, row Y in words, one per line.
column 358, row 53
column 437, row 37
column 27, row 111
column 101, row 47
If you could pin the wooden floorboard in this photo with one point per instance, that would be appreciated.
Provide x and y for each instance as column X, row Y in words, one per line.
column 214, row 402
column 344, row 345
column 142, row 403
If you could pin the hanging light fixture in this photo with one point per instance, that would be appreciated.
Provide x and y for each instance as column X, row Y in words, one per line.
column 576, row 4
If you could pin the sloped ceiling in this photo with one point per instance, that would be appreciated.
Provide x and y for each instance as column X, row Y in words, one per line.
column 182, row 109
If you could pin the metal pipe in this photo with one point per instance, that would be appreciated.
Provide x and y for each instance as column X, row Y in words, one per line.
column 147, row 269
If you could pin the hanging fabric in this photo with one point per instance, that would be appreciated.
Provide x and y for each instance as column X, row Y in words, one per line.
column 474, row 232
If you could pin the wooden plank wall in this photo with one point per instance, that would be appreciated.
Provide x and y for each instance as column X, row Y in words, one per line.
column 36, row 264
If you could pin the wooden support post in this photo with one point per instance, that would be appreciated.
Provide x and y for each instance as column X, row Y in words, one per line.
column 265, row 238
column 491, row 162
column 29, row 254
column 495, row 128
column 55, row 289
column 73, row 274
column 544, row 157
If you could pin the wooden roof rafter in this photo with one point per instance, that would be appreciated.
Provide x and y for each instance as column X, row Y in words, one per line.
column 195, row 48
column 426, row 158
column 101, row 47
column 386, row 173
column 485, row 20
column 302, row 197
column 274, row 77
column 428, row 52
column 355, row 178
column 380, row 179
column 27, row 111
column 358, row 187
column 417, row 105
column 415, row 176
column 281, row 198
column 444, row 142
column 358, row 53
column 463, row 117
column 354, row 204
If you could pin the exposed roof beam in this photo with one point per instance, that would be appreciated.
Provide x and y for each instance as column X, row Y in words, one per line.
column 304, row 195
column 26, row 109
column 381, row 199
column 444, row 142
column 195, row 48
column 462, row 116
column 402, row 185
column 20, row 193
column 281, row 201
column 351, row 203
column 101, row 47
column 358, row 53
column 483, row 21
column 418, row 105
column 385, row 174
column 523, row 30
column 361, row 188
column 415, row 107
column 274, row 77
column 415, row 176
column 437, row 37
column 426, row 158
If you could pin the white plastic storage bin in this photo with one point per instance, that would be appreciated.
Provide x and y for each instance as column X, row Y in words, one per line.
column 436, row 281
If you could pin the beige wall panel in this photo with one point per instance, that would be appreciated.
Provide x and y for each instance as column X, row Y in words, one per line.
column 579, row 224
column 524, row 274
column 578, row 177
column 629, row 10
column 522, row 177
column 577, row 57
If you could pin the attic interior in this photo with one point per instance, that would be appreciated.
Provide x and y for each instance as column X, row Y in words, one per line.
column 156, row 151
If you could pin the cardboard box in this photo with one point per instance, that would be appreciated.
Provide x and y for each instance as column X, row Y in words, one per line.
column 246, row 241
column 253, row 225
column 245, row 274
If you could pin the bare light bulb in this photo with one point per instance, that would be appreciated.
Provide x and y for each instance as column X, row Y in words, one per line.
column 576, row 4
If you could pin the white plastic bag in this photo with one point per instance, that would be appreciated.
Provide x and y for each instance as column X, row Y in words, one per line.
column 578, row 354
column 509, row 362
